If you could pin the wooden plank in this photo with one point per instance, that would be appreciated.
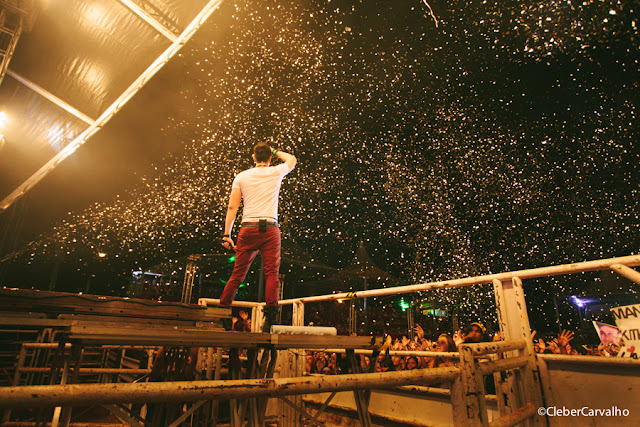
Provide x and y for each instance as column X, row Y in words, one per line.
column 206, row 338
column 166, row 337
column 58, row 302
column 89, row 319
column 141, row 331
column 26, row 321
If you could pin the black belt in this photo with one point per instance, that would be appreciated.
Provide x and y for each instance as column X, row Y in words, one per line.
column 255, row 224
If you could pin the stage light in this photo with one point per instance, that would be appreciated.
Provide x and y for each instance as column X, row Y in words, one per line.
column 102, row 254
column 578, row 302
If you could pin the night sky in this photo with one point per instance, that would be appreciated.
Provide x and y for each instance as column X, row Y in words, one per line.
column 475, row 138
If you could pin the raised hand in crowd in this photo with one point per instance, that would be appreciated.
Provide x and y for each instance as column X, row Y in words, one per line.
column 405, row 341
column 419, row 331
column 563, row 340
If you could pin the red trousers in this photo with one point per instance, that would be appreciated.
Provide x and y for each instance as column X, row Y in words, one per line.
column 250, row 242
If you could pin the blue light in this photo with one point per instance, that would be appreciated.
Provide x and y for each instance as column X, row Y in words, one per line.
column 578, row 302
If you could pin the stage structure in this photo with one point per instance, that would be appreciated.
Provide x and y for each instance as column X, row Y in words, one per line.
column 524, row 386
column 189, row 382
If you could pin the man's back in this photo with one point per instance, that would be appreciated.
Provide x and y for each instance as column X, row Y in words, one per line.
column 260, row 187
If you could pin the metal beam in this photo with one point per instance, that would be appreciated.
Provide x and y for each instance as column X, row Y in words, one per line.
column 51, row 97
column 627, row 272
column 301, row 411
column 6, row 56
column 113, row 108
column 13, row 8
column 191, row 391
column 149, row 19
column 124, row 415
column 516, row 417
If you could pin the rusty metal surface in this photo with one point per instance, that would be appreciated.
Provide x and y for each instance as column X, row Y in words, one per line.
column 591, row 360
column 576, row 382
column 487, row 368
column 494, row 347
column 188, row 391
column 515, row 417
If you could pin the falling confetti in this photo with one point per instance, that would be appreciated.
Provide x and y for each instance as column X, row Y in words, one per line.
column 492, row 136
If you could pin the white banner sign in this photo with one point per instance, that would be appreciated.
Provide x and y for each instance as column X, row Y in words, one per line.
column 628, row 321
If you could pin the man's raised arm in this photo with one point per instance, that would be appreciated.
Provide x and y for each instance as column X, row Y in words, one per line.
column 289, row 159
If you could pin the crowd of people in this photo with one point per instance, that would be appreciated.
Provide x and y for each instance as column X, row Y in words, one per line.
column 387, row 360
column 336, row 363
column 321, row 362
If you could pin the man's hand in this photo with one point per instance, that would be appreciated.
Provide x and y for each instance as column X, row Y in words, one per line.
column 563, row 338
column 227, row 243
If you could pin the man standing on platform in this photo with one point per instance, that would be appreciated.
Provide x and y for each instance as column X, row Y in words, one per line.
column 258, row 188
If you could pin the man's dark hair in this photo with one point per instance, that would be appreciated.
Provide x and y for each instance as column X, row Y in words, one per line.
column 262, row 152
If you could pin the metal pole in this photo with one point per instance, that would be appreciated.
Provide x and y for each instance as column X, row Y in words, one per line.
column 627, row 272
column 189, row 391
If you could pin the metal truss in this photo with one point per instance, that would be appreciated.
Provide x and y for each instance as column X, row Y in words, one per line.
column 95, row 125
column 15, row 16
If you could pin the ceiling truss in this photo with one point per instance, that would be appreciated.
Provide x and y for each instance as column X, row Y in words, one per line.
column 95, row 125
